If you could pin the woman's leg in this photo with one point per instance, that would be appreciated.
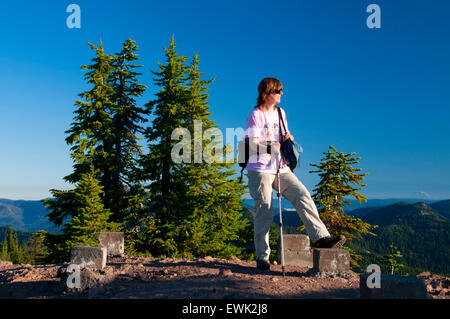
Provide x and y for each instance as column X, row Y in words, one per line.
column 260, row 188
column 295, row 192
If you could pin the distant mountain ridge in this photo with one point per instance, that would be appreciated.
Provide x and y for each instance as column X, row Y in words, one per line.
column 389, row 214
column 25, row 215
column 421, row 233
column 442, row 207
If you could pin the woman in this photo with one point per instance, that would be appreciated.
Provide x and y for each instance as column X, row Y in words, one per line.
column 264, row 161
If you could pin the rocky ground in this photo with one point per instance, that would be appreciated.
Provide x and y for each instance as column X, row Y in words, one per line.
column 209, row 278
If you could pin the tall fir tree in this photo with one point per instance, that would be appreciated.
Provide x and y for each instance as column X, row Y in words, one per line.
column 125, row 195
column 163, row 205
column 102, row 139
column 196, row 206
column 214, row 223
column 90, row 136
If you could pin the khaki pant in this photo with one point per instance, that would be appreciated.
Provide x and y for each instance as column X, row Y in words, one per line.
column 260, row 187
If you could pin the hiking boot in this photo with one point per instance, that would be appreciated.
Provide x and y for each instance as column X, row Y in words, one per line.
column 263, row 264
column 330, row 242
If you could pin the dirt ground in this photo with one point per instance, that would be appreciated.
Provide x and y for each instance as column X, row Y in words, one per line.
column 135, row 277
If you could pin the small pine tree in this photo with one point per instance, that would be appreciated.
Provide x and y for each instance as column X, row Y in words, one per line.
column 25, row 255
column 13, row 246
column 4, row 255
column 391, row 260
column 37, row 248
column 53, row 250
column 337, row 177
column 90, row 216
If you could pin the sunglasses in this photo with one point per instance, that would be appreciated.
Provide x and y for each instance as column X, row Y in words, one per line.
column 277, row 91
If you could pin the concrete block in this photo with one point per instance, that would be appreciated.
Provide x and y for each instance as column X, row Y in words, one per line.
column 393, row 287
column 331, row 260
column 88, row 256
column 113, row 241
column 297, row 251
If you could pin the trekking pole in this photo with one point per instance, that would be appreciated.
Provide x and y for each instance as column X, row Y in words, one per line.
column 281, row 217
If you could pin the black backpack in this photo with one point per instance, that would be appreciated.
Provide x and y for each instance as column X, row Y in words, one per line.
column 289, row 149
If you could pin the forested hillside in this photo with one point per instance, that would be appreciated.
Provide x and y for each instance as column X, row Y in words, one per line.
column 419, row 232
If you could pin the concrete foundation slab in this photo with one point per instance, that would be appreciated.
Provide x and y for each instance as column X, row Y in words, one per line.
column 88, row 256
column 113, row 241
column 297, row 250
column 331, row 260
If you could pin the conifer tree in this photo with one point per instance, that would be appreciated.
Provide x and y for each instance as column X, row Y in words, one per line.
column 337, row 180
column 24, row 255
column 37, row 249
column 13, row 246
column 90, row 136
column 163, row 204
column 90, row 216
column 103, row 135
column 213, row 198
column 196, row 206
column 126, row 119
column 391, row 260
column 4, row 251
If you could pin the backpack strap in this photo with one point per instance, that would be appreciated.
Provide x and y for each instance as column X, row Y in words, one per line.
column 281, row 119
column 242, row 173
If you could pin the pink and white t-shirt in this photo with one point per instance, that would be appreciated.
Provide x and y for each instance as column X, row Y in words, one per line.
column 265, row 126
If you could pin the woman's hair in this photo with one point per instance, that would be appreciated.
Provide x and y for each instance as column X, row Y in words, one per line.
column 266, row 87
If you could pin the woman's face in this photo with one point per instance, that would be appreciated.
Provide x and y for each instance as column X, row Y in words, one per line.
column 274, row 98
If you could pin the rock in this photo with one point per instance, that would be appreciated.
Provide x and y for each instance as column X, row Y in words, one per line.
column 225, row 272
column 5, row 263
column 423, row 275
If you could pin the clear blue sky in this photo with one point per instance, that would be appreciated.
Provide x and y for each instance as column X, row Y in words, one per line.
column 382, row 93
